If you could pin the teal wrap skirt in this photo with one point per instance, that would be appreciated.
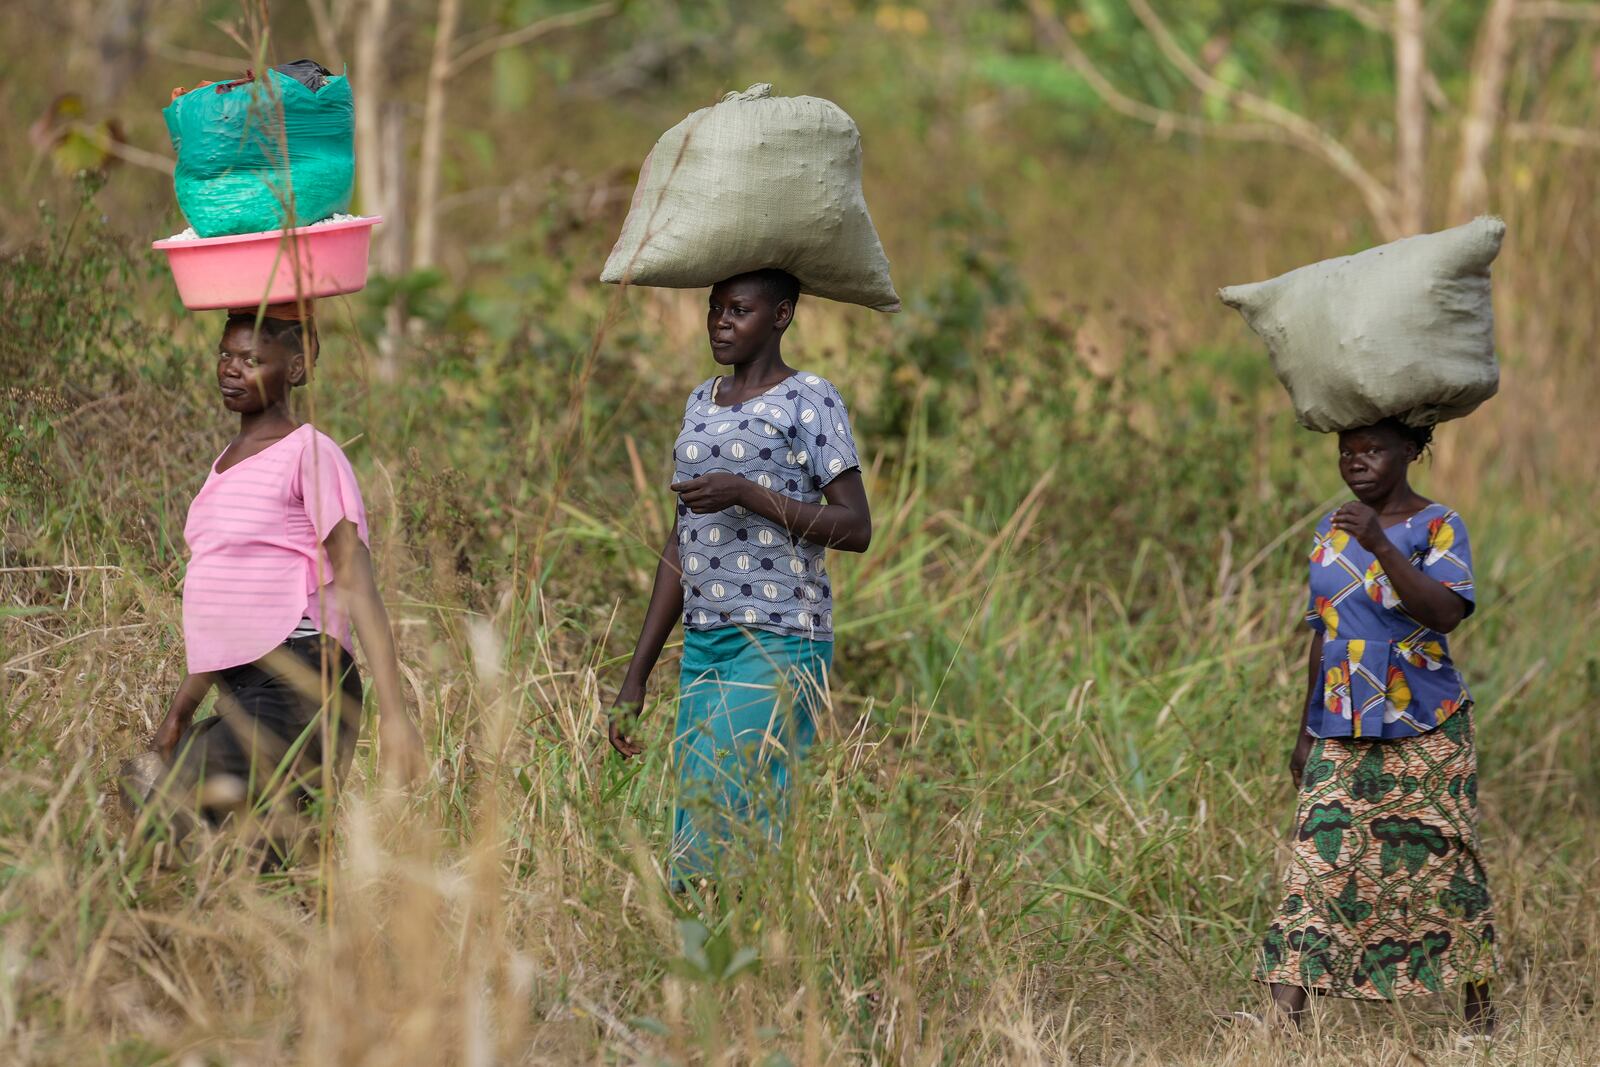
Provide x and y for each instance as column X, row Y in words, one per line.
column 748, row 703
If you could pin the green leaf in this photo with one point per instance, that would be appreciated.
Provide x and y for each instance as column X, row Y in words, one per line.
column 694, row 935
column 1232, row 73
column 513, row 80
column 743, row 960
column 650, row 1025
column 481, row 145
column 17, row 611
column 1043, row 77
column 719, row 955
column 1101, row 15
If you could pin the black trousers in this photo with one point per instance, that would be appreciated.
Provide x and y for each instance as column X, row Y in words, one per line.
column 286, row 726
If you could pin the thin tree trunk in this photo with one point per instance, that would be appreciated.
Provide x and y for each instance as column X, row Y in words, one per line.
column 1469, row 189
column 433, row 115
column 327, row 34
column 116, row 29
column 1411, row 116
column 392, row 124
column 371, row 84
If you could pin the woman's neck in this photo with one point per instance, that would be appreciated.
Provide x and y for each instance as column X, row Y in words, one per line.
column 275, row 420
column 763, row 372
column 1402, row 502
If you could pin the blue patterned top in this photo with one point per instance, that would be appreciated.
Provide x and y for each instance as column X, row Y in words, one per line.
column 1385, row 675
column 740, row 569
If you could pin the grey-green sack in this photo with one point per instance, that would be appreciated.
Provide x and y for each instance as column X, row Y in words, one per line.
column 756, row 181
column 1404, row 330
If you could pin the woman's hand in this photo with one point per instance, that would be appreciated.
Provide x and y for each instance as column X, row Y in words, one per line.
column 180, row 713
column 622, row 719
column 1425, row 599
column 1298, row 758
column 666, row 605
column 713, row 492
column 1361, row 522
column 400, row 751
column 165, row 741
column 844, row 522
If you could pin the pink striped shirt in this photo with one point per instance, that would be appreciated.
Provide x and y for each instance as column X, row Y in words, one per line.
column 256, row 562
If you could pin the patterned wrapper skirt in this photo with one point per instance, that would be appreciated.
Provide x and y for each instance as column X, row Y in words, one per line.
column 1384, row 895
column 748, row 702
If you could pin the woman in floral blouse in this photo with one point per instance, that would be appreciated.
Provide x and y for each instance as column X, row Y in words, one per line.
column 1385, row 896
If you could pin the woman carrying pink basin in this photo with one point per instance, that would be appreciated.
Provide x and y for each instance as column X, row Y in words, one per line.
column 279, row 576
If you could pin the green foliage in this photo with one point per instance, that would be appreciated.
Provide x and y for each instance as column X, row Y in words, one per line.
column 1044, row 76
column 513, row 80
column 712, row 958
column 64, row 315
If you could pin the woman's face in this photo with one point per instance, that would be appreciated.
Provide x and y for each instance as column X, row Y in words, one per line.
column 1373, row 462
column 254, row 373
column 741, row 320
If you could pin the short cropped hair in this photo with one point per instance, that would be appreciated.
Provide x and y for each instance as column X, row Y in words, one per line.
column 776, row 285
column 290, row 333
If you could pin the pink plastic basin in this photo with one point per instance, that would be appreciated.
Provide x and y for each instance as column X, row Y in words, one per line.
column 281, row 266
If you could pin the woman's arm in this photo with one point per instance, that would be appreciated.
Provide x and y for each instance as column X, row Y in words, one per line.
column 399, row 743
column 1302, row 745
column 666, row 605
column 1430, row 602
column 180, row 713
column 844, row 522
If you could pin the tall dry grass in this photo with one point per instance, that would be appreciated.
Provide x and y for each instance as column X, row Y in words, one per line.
column 1043, row 822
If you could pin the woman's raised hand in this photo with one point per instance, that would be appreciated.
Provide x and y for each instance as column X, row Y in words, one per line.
column 713, row 492
column 1361, row 522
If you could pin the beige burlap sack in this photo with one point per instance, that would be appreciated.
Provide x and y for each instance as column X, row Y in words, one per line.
column 1403, row 330
column 756, row 181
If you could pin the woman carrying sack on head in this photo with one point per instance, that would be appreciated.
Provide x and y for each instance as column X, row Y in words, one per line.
column 279, row 569
column 768, row 479
column 1385, row 895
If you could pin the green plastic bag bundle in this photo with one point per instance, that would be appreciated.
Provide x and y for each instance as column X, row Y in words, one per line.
column 263, row 155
